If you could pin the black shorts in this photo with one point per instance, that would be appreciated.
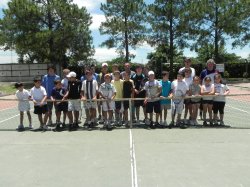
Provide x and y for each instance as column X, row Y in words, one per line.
column 195, row 102
column 218, row 107
column 118, row 105
column 187, row 101
column 125, row 105
column 153, row 106
column 61, row 107
column 209, row 102
column 138, row 103
column 41, row 109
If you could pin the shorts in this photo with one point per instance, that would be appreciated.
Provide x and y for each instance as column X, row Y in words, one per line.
column 177, row 108
column 89, row 105
column 218, row 107
column 118, row 105
column 195, row 101
column 40, row 109
column 74, row 105
column 108, row 105
column 138, row 103
column 165, row 106
column 23, row 106
column 63, row 106
column 50, row 105
column 187, row 101
column 209, row 102
column 126, row 105
column 153, row 106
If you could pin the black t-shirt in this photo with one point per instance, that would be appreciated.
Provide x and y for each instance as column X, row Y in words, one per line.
column 74, row 89
column 127, row 89
column 139, row 82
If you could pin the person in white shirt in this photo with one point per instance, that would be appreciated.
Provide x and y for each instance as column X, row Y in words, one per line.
column 187, row 63
column 188, row 79
column 39, row 97
column 178, row 91
column 219, row 100
column 23, row 97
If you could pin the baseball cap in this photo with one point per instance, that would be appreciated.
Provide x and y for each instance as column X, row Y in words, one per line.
column 71, row 74
column 104, row 64
column 151, row 73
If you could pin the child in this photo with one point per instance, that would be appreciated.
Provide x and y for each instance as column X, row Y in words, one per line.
column 39, row 96
column 58, row 93
column 89, row 91
column 179, row 90
column 152, row 102
column 118, row 84
column 74, row 103
column 207, row 104
column 166, row 103
column 23, row 97
column 65, row 80
column 188, row 80
column 219, row 101
column 128, row 92
column 195, row 90
column 107, row 91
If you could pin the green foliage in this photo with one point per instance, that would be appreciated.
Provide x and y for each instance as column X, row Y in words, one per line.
column 47, row 31
column 124, row 24
column 226, row 74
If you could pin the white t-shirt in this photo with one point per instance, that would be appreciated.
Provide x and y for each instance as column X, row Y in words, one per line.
column 65, row 83
column 207, row 89
column 192, row 69
column 38, row 94
column 188, row 81
column 152, row 88
column 179, row 86
column 89, row 88
column 107, row 90
column 23, row 97
column 220, row 89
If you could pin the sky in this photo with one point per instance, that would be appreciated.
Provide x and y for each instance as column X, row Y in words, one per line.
column 102, row 53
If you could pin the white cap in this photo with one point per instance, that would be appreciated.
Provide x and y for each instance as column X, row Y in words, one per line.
column 151, row 73
column 104, row 64
column 71, row 74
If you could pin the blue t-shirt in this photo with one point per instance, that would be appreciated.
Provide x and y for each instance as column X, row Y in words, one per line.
column 58, row 94
column 166, row 87
column 48, row 83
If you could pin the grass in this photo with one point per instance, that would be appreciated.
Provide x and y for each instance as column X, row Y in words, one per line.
column 7, row 89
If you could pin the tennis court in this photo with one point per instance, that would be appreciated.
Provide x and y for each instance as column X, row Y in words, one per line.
column 128, row 157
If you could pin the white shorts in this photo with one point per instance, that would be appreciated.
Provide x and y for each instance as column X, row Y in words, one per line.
column 23, row 106
column 108, row 105
column 88, row 105
column 177, row 108
column 74, row 105
column 165, row 106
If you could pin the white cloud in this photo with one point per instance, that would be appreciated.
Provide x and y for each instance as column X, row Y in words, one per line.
column 97, row 20
column 3, row 3
column 89, row 4
column 103, row 54
column 146, row 46
column 7, row 57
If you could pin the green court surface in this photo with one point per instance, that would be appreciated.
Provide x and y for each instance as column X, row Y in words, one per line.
column 136, row 157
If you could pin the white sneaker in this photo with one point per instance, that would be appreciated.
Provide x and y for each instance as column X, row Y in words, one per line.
column 222, row 123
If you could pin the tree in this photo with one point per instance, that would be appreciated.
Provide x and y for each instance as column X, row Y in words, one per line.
column 46, row 31
column 214, row 22
column 124, row 24
column 168, row 26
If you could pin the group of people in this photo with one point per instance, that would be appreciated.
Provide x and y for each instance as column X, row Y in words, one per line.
column 109, row 94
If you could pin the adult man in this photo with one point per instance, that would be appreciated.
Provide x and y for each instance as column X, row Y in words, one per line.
column 128, row 70
column 187, row 63
column 210, row 71
column 48, row 84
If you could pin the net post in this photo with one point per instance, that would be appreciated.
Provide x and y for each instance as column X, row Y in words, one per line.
column 130, row 114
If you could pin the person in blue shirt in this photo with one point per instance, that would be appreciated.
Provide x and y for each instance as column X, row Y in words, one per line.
column 48, row 84
column 165, row 103
column 95, row 75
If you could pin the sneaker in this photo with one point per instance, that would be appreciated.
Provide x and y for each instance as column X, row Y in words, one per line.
column 171, row 125
column 211, row 123
column 30, row 126
column 138, row 122
column 205, row 123
column 49, row 123
column 40, row 128
column 158, row 125
column 75, row 126
column 45, row 127
column 191, row 122
column 20, row 127
column 216, row 123
column 63, row 125
column 70, row 127
column 185, row 121
column 222, row 123
column 109, row 127
column 126, row 124
column 90, row 126
column 152, row 126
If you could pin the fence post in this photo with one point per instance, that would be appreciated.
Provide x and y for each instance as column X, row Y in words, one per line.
column 130, row 114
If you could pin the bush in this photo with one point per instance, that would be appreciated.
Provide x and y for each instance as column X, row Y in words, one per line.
column 226, row 74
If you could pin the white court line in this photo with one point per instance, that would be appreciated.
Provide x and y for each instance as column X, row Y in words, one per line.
column 9, row 118
column 238, row 109
column 133, row 160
